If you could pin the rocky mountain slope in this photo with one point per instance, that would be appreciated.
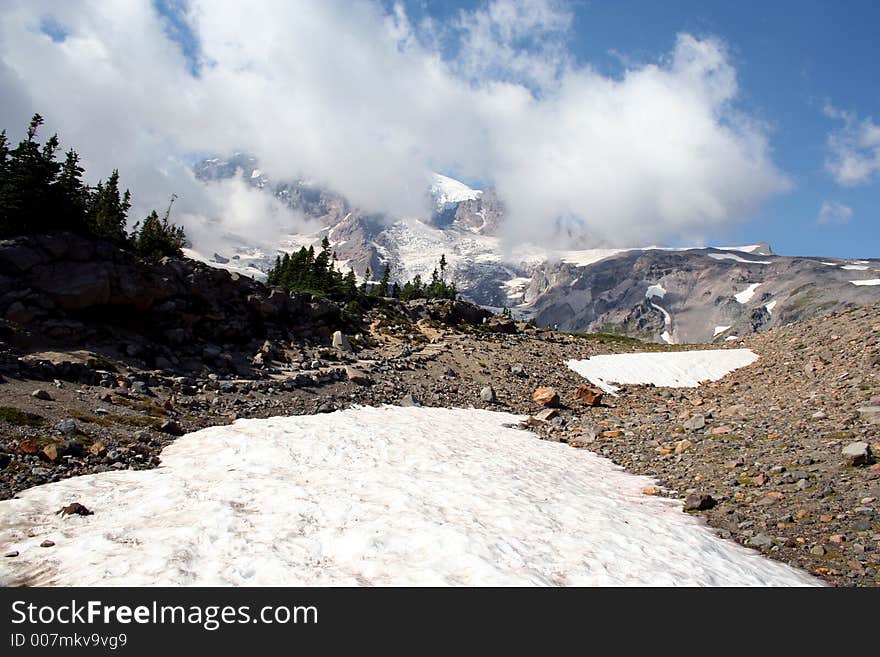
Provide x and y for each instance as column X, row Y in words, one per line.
column 778, row 455
column 658, row 294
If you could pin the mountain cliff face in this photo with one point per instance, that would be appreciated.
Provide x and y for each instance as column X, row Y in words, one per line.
column 654, row 293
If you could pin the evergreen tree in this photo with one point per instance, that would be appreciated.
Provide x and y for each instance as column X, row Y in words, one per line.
column 381, row 289
column 108, row 211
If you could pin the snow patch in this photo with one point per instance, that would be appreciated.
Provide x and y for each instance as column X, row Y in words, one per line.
column 683, row 369
column 869, row 281
column 233, row 266
column 746, row 295
column 447, row 191
column 655, row 291
column 855, row 267
column 371, row 496
column 731, row 256
column 720, row 329
column 770, row 306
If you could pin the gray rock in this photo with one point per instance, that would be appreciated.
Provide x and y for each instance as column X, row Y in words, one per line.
column 858, row 453
column 68, row 427
column 518, row 370
column 699, row 502
column 761, row 541
column 39, row 393
column 487, row 394
column 695, row 423
column 408, row 400
column 358, row 377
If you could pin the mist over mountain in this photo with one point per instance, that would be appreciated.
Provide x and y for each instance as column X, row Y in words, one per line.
column 674, row 295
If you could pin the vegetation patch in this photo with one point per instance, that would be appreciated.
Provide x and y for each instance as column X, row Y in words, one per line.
column 88, row 417
column 21, row 418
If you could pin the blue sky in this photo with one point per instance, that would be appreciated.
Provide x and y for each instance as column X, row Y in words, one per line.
column 792, row 57
column 647, row 122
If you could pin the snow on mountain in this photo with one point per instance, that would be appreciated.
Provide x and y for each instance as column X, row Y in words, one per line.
column 244, row 266
column 746, row 295
column 732, row 256
column 596, row 289
column 448, row 191
column 371, row 496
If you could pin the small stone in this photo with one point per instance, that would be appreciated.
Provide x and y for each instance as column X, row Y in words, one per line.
column 98, row 448
column 341, row 342
column 74, row 509
column 699, row 502
column 682, row 446
column 818, row 551
column 39, row 393
column 546, row 415
column 47, row 543
column 487, row 394
column 358, row 377
column 695, row 423
column 408, row 400
column 651, row 490
column 518, row 370
column 14, row 553
column 589, row 395
column 858, row 453
column 171, row 427
column 546, row 397
column 760, row 541
column 51, row 453
column 68, row 427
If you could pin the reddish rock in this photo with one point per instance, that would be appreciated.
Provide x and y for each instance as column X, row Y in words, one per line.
column 546, row 397
column 28, row 446
column 589, row 395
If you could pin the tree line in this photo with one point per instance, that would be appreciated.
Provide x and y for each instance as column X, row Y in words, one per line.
column 38, row 193
column 316, row 273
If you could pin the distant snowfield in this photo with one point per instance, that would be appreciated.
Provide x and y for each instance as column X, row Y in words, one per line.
column 682, row 369
column 370, row 496
column 731, row 256
column 746, row 295
column 233, row 266
column 869, row 281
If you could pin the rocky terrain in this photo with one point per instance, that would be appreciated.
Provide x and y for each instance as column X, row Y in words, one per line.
column 778, row 456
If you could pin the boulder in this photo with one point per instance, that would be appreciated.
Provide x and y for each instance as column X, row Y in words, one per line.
column 341, row 342
column 858, row 453
column 358, row 377
column 487, row 394
column 546, row 397
column 589, row 395
column 699, row 502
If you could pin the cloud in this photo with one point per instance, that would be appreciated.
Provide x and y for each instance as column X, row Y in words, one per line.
column 854, row 150
column 834, row 212
column 358, row 99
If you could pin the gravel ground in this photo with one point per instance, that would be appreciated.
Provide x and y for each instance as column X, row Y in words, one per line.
column 765, row 443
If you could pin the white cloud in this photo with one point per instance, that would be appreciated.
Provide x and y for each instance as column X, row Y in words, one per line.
column 854, row 157
column 834, row 212
column 363, row 102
